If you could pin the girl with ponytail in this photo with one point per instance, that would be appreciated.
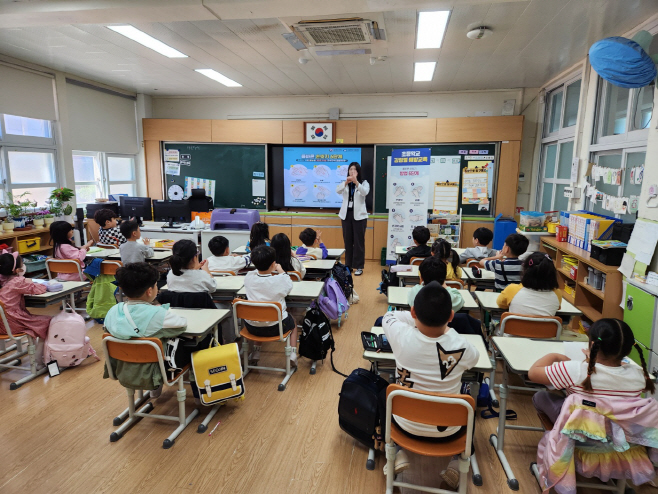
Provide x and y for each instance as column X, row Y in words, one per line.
column 537, row 294
column 442, row 249
column 187, row 273
column 605, row 371
column 14, row 287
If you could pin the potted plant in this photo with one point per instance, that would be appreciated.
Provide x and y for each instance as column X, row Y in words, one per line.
column 8, row 224
column 38, row 219
column 48, row 219
column 17, row 208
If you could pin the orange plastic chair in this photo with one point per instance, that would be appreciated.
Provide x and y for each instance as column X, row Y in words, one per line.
column 434, row 409
column 458, row 284
column 223, row 273
column 416, row 260
column 14, row 360
column 110, row 267
column 145, row 351
column 472, row 262
column 65, row 266
column 295, row 275
column 265, row 312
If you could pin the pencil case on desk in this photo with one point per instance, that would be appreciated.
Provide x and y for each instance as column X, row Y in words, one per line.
column 54, row 287
column 375, row 342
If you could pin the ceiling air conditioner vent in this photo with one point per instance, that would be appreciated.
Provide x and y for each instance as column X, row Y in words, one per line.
column 337, row 32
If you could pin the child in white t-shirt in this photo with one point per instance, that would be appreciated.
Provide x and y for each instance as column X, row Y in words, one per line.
column 187, row 273
column 222, row 259
column 429, row 356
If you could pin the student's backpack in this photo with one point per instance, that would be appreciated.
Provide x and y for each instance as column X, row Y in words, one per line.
column 101, row 297
column 316, row 338
column 386, row 282
column 359, row 410
column 343, row 277
column 218, row 373
column 67, row 340
column 332, row 300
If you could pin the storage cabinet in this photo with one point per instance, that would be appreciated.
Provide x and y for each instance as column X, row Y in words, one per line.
column 640, row 311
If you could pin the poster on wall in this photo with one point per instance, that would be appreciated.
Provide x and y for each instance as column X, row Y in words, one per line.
column 409, row 179
column 446, row 197
column 475, row 183
column 200, row 183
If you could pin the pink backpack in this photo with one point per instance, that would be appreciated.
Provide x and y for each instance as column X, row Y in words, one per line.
column 67, row 340
column 332, row 300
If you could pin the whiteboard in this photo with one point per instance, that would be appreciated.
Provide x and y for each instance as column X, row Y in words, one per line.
column 442, row 169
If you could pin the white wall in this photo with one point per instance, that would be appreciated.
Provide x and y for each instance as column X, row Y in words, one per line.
column 436, row 105
column 530, row 109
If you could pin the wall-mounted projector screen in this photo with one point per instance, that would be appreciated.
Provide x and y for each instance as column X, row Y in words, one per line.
column 311, row 174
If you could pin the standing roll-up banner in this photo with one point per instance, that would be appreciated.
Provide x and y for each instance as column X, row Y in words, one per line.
column 409, row 183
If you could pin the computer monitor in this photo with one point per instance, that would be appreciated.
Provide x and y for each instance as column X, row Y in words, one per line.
column 95, row 206
column 172, row 211
column 137, row 207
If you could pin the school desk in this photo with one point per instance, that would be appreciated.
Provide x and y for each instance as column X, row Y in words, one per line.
column 331, row 253
column 301, row 295
column 402, row 250
column 318, row 268
column 201, row 321
column 159, row 256
column 227, row 287
column 519, row 355
column 50, row 298
column 103, row 253
column 487, row 301
column 486, row 281
column 397, row 297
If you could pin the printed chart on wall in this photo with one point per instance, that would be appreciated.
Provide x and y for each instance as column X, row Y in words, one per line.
column 310, row 175
column 475, row 181
column 200, row 183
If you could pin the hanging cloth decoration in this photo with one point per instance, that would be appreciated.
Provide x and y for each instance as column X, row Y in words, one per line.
column 625, row 62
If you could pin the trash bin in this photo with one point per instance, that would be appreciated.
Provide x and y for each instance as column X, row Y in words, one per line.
column 503, row 226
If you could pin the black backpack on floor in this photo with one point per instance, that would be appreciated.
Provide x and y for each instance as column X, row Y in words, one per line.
column 359, row 412
column 316, row 338
column 342, row 275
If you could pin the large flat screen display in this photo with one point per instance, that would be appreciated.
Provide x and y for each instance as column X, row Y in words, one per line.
column 311, row 174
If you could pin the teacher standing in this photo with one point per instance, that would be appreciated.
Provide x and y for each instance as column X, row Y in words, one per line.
column 354, row 217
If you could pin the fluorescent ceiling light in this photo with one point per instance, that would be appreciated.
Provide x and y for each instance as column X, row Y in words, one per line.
column 216, row 76
column 431, row 28
column 424, row 71
column 148, row 41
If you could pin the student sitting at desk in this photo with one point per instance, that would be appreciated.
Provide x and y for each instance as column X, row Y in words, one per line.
column 137, row 317
column 312, row 244
column 537, row 294
column 133, row 251
column 14, row 288
column 61, row 234
column 429, row 356
column 442, row 249
column 109, row 232
column 421, row 236
column 506, row 265
column 482, row 237
column 603, row 373
column 261, row 286
column 187, row 273
column 284, row 256
column 260, row 235
column 222, row 259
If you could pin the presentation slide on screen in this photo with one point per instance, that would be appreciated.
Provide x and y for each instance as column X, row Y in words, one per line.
column 310, row 175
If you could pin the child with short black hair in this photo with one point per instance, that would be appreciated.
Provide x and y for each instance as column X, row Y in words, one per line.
column 222, row 259
column 262, row 286
column 442, row 249
column 312, row 244
column 429, row 356
column 187, row 273
column 133, row 251
column 506, row 265
column 109, row 232
column 434, row 269
column 538, row 293
column 421, row 235
column 604, row 373
column 259, row 235
column 61, row 235
column 137, row 317
column 482, row 237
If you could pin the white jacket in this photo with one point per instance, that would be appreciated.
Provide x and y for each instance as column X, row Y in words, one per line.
column 360, row 194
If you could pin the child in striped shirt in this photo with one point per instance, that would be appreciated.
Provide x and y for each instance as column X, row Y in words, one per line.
column 506, row 265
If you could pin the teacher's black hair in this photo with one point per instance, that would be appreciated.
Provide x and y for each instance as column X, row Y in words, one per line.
column 358, row 170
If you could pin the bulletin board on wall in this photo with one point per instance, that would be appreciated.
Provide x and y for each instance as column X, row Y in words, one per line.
column 463, row 176
column 233, row 174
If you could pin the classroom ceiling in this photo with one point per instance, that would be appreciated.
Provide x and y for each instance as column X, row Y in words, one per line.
column 532, row 41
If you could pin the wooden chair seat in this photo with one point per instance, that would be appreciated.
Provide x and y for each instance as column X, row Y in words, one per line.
column 16, row 335
column 261, row 339
column 427, row 448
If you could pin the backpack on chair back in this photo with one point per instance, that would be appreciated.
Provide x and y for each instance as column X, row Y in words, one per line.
column 332, row 300
column 67, row 340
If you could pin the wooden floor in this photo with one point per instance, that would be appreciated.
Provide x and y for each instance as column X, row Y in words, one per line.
column 56, row 433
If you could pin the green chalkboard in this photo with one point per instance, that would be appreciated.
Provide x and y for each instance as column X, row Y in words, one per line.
column 382, row 153
column 232, row 166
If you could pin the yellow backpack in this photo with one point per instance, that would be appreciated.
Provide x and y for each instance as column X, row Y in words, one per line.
column 218, row 373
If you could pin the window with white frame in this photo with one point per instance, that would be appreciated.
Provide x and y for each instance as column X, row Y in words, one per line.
column 557, row 152
column 102, row 174
column 27, row 158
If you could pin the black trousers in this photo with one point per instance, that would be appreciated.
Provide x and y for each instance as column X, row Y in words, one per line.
column 354, row 236
column 264, row 331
